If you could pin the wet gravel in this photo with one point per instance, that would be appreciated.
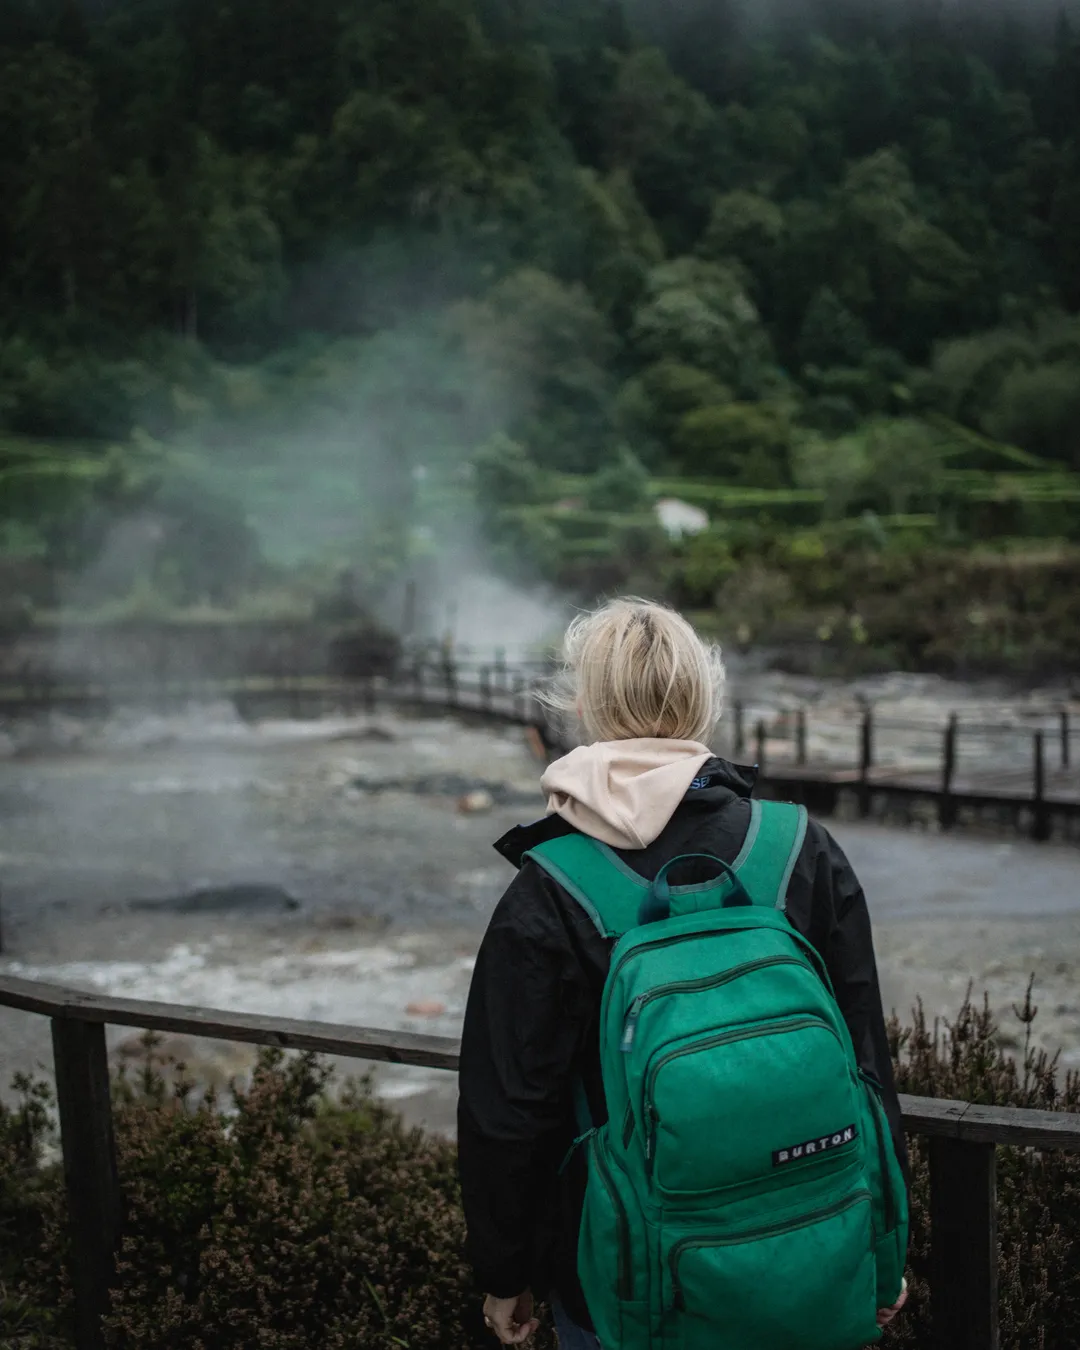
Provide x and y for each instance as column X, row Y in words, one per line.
column 328, row 870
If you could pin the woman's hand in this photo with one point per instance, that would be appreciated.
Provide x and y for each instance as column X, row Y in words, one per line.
column 886, row 1315
column 511, row 1319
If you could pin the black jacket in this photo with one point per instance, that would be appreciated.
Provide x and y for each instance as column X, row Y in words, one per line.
column 531, row 1030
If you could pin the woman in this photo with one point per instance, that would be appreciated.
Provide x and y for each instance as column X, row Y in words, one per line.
column 648, row 693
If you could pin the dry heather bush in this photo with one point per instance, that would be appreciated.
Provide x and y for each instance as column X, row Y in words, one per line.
column 295, row 1222
column 1038, row 1193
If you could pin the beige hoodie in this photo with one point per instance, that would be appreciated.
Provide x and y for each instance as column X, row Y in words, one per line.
column 623, row 792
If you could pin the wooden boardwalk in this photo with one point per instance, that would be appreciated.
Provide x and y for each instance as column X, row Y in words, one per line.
column 1041, row 796
column 1061, row 788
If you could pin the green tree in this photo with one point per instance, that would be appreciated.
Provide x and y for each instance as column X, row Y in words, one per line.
column 893, row 266
column 1038, row 409
column 890, row 465
column 620, row 485
column 541, row 350
column 505, row 475
column 50, row 165
column 743, row 443
column 666, row 135
column 831, row 335
column 699, row 314
column 967, row 373
column 745, row 226
column 654, row 403
column 620, row 243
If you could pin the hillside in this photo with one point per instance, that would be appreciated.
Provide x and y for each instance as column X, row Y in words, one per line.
column 306, row 285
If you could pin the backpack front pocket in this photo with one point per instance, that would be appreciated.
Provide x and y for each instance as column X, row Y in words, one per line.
column 762, row 1104
column 806, row 1281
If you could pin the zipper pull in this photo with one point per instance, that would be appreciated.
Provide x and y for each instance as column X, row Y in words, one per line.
column 630, row 1027
column 652, row 1120
column 581, row 1139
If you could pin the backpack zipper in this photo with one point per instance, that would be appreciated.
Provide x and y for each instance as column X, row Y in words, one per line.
column 755, row 1234
column 625, row 1274
column 886, row 1185
column 693, row 987
column 813, row 959
column 772, row 1028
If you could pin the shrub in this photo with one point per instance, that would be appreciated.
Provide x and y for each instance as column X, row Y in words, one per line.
column 1039, row 409
column 621, row 485
column 1038, row 1194
column 654, row 401
column 745, row 443
column 294, row 1221
column 703, row 563
column 504, row 474
column 699, row 314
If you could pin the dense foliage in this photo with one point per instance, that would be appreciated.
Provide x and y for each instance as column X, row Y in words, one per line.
column 300, row 1221
column 312, row 270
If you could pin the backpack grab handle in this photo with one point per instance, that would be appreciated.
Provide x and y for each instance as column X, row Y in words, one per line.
column 657, row 903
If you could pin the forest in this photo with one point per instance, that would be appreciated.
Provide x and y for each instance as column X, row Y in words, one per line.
column 293, row 287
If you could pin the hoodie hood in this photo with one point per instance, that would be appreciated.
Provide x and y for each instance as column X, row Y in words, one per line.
column 623, row 792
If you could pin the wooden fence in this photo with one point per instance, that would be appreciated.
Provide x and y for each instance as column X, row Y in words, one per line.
column 1040, row 784
column 962, row 1140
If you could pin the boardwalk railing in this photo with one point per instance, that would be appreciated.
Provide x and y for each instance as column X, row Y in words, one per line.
column 962, row 1140
column 1031, row 780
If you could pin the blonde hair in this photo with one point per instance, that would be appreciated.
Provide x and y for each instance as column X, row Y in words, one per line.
column 633, row 668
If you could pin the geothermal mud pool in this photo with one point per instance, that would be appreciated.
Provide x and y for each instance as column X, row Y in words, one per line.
column 327, row 870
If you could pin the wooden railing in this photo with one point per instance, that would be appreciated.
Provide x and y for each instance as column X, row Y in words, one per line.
column 962, row 1140
column 1039, row 785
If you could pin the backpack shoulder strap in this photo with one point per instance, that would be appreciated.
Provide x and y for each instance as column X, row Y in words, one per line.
column 608, row 890
column 772, row 846
column 611, row 892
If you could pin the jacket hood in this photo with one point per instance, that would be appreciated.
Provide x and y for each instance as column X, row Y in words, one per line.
column 623, row 792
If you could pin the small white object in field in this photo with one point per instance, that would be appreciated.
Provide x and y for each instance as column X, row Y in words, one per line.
column 678, row 518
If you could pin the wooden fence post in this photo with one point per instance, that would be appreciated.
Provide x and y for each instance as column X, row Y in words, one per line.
column 450, row 675
column 1065, row 757
column 519, row 697
column 946, row 804
column 759, row 757
column 740, row 727
column 866, row 760
column 963, row 1244
column 800, row 736
column 485, row 688
column 1040, row 816
column 93, row 1187
column 500, row 666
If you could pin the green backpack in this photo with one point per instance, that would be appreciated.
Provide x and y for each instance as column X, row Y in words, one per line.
column 744, row 1193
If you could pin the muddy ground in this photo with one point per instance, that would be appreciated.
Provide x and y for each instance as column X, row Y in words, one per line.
column 326, row 870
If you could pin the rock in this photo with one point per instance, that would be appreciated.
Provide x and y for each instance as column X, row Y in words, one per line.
column 426, row 1008
column 363, row 921
column 372, row 733
column 222, row 899
column 476, row 803
column 472, row 794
